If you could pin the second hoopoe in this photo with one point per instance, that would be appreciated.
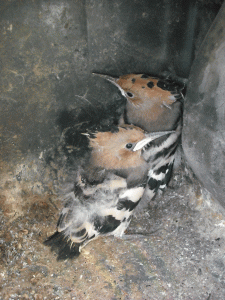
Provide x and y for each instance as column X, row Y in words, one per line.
column 154, row 104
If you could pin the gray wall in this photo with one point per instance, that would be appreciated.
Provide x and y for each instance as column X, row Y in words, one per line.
column 204, row 116
column 48, row 50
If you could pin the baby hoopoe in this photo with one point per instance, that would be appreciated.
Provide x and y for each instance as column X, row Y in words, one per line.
column 109, row 186
column 154, row 104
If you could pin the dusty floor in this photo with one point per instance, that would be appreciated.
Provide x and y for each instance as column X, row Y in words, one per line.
column 174, row 250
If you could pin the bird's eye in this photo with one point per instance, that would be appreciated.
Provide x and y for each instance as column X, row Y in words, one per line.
column 129, row 146
column 129, row 94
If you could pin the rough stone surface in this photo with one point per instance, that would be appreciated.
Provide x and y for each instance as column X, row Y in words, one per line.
column 172, row 250
column 204, row 115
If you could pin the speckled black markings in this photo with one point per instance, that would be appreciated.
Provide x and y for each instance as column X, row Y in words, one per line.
column 144, row 76
column 133, row 80
column 150, row 84
column 127, row 204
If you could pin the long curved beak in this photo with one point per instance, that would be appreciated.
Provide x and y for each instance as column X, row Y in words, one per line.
column 150, row 137
column 107, row 77
column 113, row 80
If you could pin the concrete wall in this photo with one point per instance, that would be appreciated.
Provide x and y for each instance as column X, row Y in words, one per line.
column 48, row 50
column 204, row 116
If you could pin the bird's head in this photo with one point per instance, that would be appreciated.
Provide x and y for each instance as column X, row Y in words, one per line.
column 122, row 149
column 137, row 88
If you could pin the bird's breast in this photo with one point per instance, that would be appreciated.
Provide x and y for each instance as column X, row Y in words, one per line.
column 154, row 117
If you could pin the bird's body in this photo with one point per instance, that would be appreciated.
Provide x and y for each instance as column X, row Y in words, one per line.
column 108, row 187
column 103, row 210
column 154, row 104
column 161, row 162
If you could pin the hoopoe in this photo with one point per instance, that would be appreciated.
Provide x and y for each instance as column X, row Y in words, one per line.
column 154, row 104
column 109, row 185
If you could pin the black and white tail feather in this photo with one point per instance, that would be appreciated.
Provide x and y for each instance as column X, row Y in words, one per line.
column 161, row 161
column 83, row 221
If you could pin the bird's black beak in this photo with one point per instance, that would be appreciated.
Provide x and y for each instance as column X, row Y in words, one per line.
column 149, row 138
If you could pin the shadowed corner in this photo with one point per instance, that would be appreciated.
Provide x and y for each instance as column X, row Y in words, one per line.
column 62, row 246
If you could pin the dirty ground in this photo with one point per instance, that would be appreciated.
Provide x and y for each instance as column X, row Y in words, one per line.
column 172, row 250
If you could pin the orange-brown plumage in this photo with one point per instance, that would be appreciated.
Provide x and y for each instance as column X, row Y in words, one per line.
column 144, row 89
column 109, row 149
column 152, row 103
